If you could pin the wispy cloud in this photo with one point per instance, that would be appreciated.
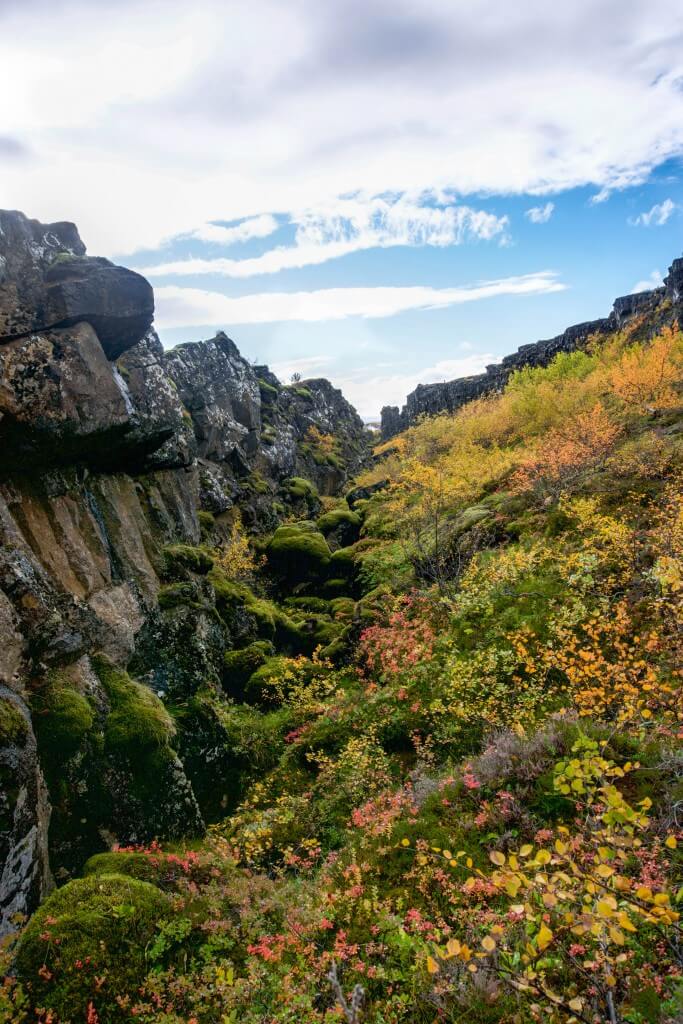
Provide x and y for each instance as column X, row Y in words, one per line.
column 655, row 280
column 656, row 216
column 370, row 391
column 252, row 227
column 344, row 226
column 216, row 121
column 540, row 214
column 185, row 307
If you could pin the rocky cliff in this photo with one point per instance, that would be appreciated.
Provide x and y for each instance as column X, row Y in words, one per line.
column 660, row 305
column 114, row 457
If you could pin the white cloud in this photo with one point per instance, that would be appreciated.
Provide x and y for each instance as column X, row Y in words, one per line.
column 186, row 307
column 348, row 225
column 252, row 227
column 655, row 280
column 657, row 216
column 369, row 392
column 230, row 110
column 540, row 214
column 307, row 366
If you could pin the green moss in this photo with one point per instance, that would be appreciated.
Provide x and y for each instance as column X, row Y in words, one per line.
column 297, row 488
column 13, row 727
column 207, row 521
column 310, row 604
column 303, row 392
column 104, row 920
column 138, row 721
column 266, row 389
column 240, row 665
column 121, row 862
column 62, row 718
column 174, row 594
column 182, row 558
column 335, row 586
column 343, row 608
column 298, row 555
column 337, row 517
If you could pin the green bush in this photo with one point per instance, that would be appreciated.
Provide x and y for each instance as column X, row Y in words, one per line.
column 104, row 923
column 137, row 720
column 13, row 727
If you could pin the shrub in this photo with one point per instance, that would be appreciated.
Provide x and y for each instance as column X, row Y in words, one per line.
column 102, row 923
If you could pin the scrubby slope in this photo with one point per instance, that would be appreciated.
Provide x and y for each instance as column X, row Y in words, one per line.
column 457, row 736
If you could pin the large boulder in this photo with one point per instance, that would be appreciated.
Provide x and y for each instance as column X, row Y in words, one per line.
column 46, row 281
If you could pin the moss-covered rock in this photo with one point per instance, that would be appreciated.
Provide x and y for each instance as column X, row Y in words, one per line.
column 137, row 720
column 98, row 929
column 179, row 559
column 298, row 555
column 13, row 725
column 240, row 665
column 341, row 527
column 62, row 717
column 130, row 863
column 298, row 488
column 173, row 595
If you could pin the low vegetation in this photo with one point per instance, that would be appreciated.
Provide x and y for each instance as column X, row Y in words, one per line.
column 454, row 713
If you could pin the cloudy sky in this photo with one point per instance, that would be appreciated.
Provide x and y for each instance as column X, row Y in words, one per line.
column 378, row 192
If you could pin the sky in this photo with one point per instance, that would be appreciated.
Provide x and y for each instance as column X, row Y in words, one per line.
column 382, row 193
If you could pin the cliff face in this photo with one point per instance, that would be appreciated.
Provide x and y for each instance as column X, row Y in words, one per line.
column 109, row 450
column 661, row 305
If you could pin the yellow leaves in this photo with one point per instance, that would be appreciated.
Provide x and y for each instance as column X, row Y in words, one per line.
column 432, row 966
column 617, row 936
column 543, row 857
column 497, row 858
column 488, row 943
column 405, row 842
column 560, row 847
column 604, row 871
column 453, row 947
column 576, row 1005
column 670, row 842
column 526, row 850
column 544, row 937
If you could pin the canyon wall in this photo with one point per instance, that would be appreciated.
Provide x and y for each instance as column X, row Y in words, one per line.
column 661, row 305
column 114, row 455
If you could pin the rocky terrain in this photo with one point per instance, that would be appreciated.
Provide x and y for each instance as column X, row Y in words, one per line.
column 117, row 460
column 660, row 306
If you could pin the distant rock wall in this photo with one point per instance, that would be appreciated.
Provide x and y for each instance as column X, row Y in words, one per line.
column 429, row 399
column 109, row 450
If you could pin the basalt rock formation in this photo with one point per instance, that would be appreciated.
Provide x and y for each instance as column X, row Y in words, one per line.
column 111, row 452
column 661, row 305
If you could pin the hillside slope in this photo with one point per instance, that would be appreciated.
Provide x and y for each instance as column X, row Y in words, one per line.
column 443, row 758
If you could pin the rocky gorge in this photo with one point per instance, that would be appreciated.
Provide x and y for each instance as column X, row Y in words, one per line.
column 121, row 466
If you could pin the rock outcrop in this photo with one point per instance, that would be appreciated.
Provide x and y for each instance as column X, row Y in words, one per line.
column 660, row 304
column 111, row 451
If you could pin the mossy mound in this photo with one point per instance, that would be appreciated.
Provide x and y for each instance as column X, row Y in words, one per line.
column 341, row 525
column 13, row 726
column 87, row 945
column 240, row 665
column 298, row 555
column 296, row 489
column 309, row 604
column 122, row 862
column 179, row 559
column 174, row 595
column 138, row 721
column 62, row 717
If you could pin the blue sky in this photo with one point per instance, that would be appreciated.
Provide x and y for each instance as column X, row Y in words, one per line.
column 378, row 193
